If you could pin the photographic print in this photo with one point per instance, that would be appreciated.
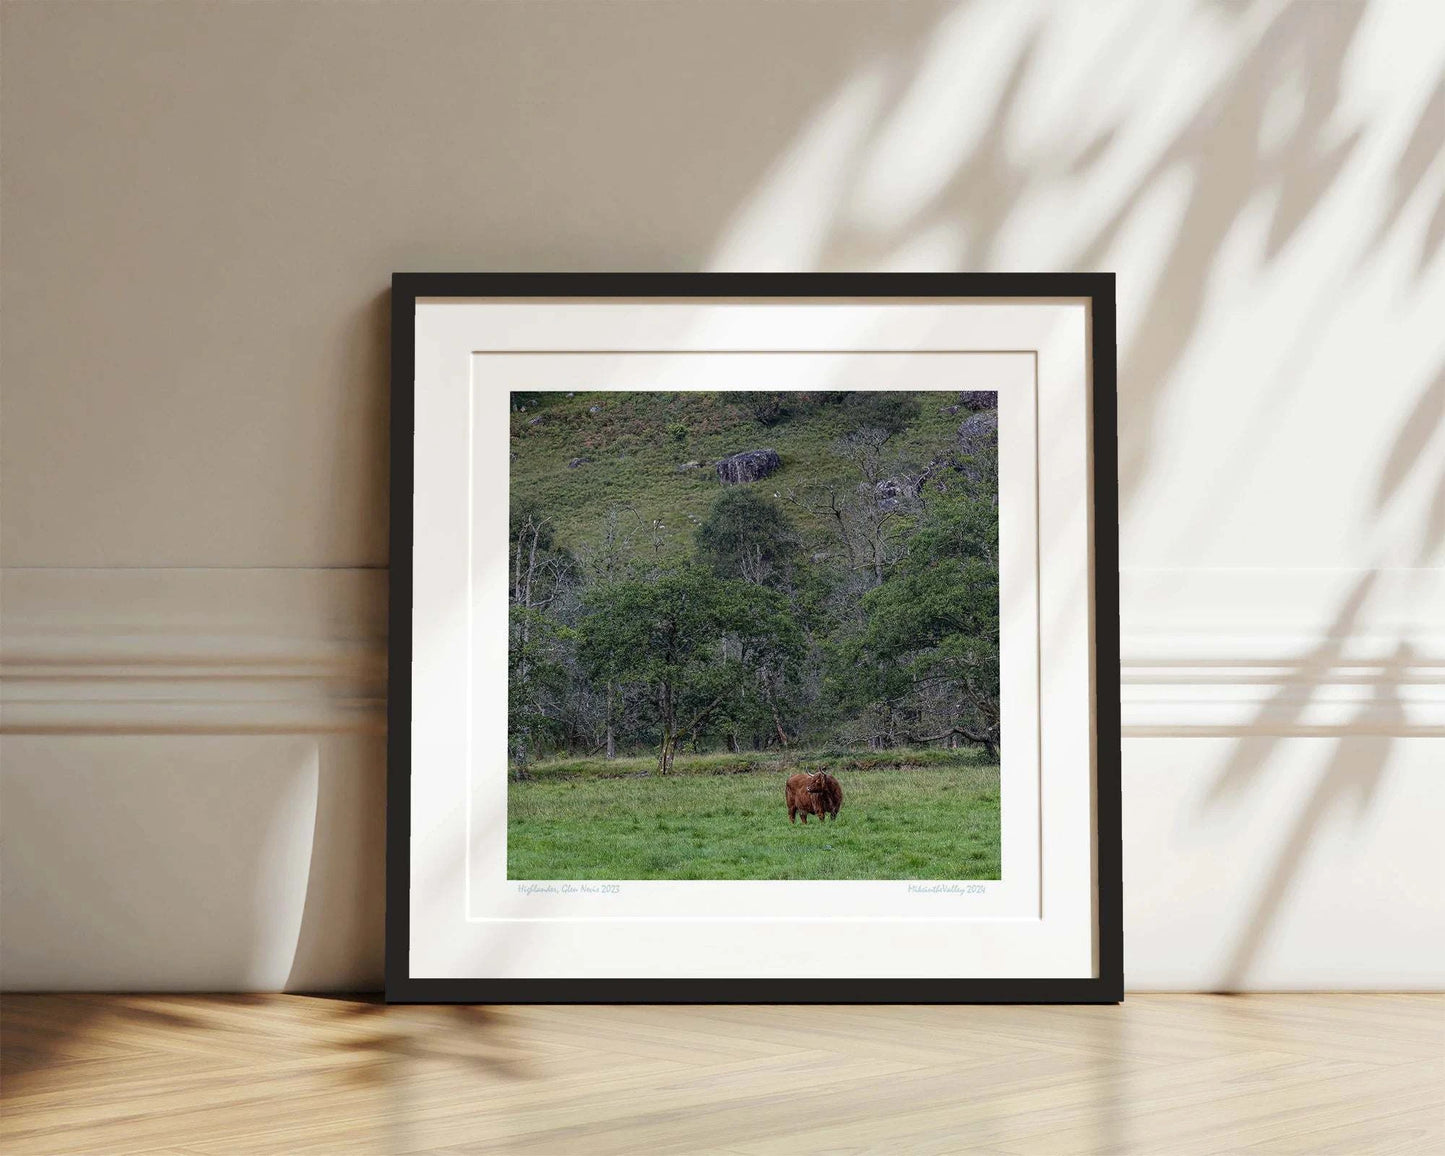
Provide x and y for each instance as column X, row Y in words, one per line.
column 753, row 635
column 704, row 692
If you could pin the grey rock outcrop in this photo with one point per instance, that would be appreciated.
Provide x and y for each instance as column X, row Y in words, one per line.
column 749, row 466
column 891, row 493
column 979, row 432
column 978, row 399
column 575, row 462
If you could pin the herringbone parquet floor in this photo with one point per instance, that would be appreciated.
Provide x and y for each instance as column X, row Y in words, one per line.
column 293, row 1075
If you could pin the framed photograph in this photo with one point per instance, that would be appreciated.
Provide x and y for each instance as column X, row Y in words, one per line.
column 754, row 638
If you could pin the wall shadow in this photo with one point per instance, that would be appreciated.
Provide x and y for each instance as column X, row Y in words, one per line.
column 340, row 942
column 1235, row 152
column 1271, row 133
column 1272, row 129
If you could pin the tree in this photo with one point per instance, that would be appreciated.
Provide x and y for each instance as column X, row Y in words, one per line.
column 537, row 683
column 661, row 634
column 868, row 527
column 763, row 651
column 938, row 626
column 609, row 560
column 766, row 407
column 541, row 574
column 889, row 411
column 747, row 536
column 706, row 650
column 936, row 620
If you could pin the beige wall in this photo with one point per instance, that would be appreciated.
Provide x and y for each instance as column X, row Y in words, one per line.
column 200, row 205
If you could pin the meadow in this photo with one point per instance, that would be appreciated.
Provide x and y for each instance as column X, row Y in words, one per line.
column 924, row 814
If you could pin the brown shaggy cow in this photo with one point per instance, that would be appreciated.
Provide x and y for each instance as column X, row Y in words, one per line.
column 813, row 794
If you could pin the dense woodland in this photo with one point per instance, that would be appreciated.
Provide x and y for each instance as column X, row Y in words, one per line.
column 848, row 598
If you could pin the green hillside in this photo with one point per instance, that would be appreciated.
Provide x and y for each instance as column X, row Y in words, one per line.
column 636, row 443
column 848, row 597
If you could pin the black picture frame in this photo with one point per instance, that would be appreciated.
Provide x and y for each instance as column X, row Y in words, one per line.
column 1108, row 985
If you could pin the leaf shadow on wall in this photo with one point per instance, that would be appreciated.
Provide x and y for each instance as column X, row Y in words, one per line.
column 1272, row 130
column 1224, row 150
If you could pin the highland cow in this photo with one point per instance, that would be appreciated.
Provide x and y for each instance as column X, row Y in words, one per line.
column 818, row 794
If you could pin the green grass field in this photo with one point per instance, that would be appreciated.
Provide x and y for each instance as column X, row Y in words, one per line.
column 906, row 815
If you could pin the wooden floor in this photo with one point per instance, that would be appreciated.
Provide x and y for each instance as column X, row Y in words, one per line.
column 294, row 1074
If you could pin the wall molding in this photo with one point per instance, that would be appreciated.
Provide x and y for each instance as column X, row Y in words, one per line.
column 1308, row 652
column 187, row 651
column 1223, row 652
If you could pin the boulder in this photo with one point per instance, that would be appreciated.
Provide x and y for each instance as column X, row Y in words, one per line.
column 575, row 462
column 748, row 466
column 891, row 493
column 978, row 399
column 979, row 432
